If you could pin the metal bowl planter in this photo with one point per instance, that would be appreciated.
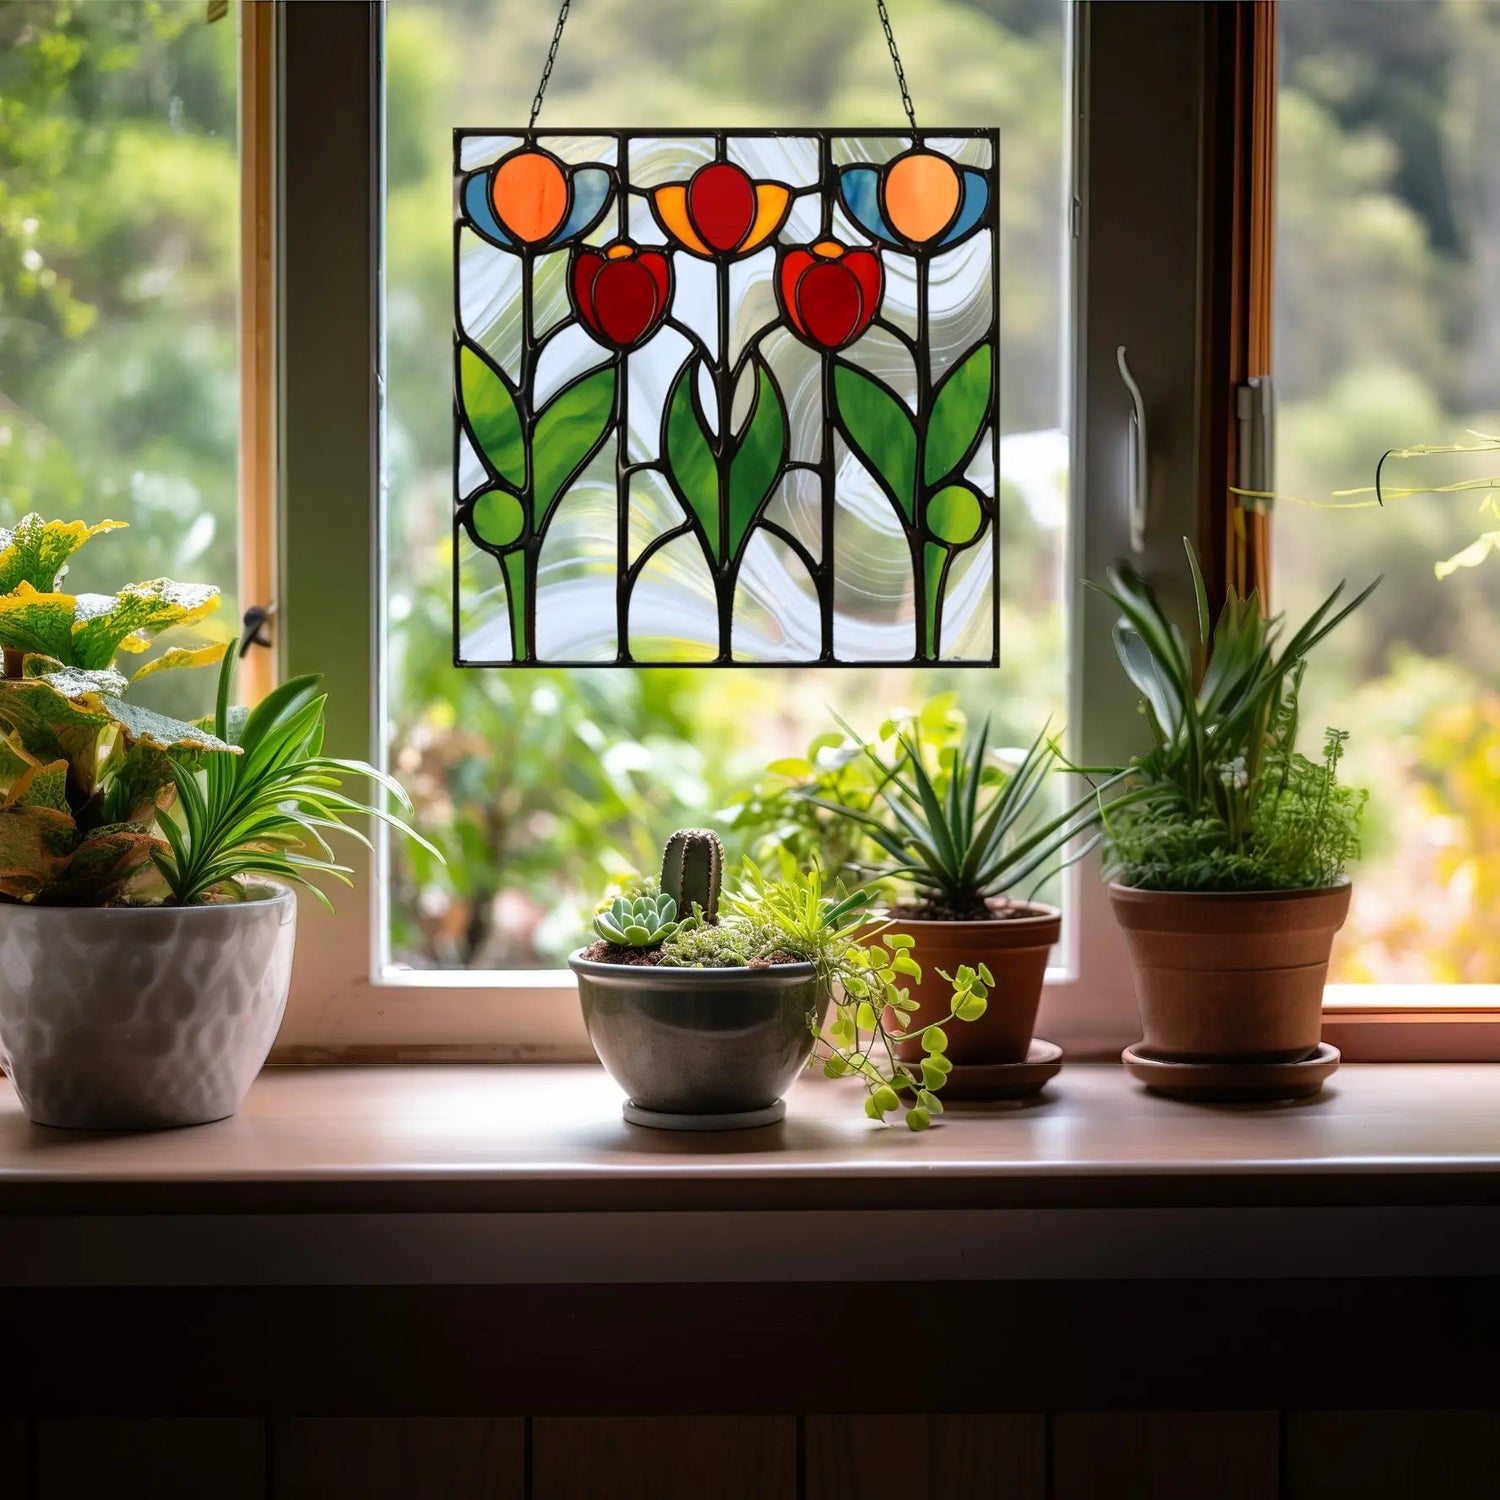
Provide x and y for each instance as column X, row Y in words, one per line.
column 137, row 1018
column 701, row 1049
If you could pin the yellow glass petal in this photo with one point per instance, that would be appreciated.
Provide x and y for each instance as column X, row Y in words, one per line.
column 921, row 194
column 671, row 208
column 770, row 205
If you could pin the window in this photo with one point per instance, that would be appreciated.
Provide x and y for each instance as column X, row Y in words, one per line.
column 1386, row 335
column 540, row 784
column 543, row 776
column 119, row 246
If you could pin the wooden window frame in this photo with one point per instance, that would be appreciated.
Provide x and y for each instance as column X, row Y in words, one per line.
column 1172, row 223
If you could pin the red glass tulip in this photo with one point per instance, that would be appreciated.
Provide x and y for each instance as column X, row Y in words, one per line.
column 721, row 210
column 830, row 293
column 621, row 293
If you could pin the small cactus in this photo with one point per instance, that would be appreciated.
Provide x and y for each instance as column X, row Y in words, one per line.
column 692, row 870
column 642, row 923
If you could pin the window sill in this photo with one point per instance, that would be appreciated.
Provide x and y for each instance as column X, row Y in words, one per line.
column 472, row 1174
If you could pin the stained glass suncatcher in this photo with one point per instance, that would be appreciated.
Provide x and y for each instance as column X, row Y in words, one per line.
column 726, row 397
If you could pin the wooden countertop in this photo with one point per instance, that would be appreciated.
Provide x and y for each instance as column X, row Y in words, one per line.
column 512, row 1172
column 501, row 1133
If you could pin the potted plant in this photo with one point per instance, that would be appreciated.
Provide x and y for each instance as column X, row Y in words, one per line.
column 705, row 1016
column 1226, row 848
column 966, row 842
column 145, row 933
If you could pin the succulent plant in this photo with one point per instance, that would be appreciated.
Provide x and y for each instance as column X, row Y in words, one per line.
column 692, row 870
column 641, row 923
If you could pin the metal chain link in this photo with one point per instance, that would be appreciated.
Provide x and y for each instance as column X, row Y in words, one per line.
column 890, row 37
column 541, row 88
column 885, row 24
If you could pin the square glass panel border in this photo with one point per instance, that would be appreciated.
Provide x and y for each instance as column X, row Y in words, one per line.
column 726, row 397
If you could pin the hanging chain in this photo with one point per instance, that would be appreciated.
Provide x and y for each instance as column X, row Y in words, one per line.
column 541, row 88
column 890, row 37
column 562, row 20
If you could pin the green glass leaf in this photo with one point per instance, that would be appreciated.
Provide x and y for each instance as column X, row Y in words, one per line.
column 491, row 411
column 958, row 412
column 35, row 550
column 756, row 465
column 499, row 518
column 568, row 431
column 872, row 1108
column 514, row 564
column 932, row 1077
column 865, row 1017
column 690, row 459
column 918, row 1119
column 934, row 560
column 879, row 429
column 934, row 1040
column 954, row 515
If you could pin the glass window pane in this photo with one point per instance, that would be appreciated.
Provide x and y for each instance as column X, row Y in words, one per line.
column 541, row 783
column 1388, row 334
column 119, row 246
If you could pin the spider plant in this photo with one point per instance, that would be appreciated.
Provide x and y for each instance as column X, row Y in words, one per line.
column 1222, row 800
column 265, row 810
column 968, row 831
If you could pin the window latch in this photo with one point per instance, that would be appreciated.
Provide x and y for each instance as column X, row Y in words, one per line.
column 1136, row 453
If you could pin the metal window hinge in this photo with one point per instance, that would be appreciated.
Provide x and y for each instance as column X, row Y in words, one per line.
column 1255, row 414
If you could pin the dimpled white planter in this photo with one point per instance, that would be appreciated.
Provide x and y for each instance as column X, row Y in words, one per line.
column 136, row 1018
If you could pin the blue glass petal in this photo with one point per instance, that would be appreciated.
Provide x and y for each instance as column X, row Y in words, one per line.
column 976, row 198
column 861, row 190
column 590, row 191
column 477, row 207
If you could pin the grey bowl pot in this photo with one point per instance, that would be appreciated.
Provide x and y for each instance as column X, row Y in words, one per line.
column 700, row 1049
column 137, row 1018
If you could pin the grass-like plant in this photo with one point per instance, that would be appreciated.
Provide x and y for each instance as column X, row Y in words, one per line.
column 965, row 832
column 1222, row 800
column 264, row 805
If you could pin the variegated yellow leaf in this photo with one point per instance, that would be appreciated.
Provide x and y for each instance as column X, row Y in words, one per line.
column 106, row 623
column 34, row 621
column 35, row 551
column 182, row 656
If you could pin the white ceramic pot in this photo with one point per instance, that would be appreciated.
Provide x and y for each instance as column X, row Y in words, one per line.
column 135, row 1018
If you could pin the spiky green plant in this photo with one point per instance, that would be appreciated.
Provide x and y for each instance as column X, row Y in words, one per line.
column 692, row 871
column 1222, row 800
column 262, row 807
column 980, row 835
column 644, row 922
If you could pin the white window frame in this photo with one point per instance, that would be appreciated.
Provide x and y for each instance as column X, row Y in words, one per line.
column 1136, row 212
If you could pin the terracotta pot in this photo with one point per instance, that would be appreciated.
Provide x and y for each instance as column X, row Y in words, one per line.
column 1230, row 976
column 1014, row 948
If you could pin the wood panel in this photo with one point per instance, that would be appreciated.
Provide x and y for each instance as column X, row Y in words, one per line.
column 399, row 1458
column 187, row 1458
column 968, row 1457
column 1165, row 1456
column 664, row 1458
column 1392, row 1455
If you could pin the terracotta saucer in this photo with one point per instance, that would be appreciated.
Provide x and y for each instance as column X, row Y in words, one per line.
column 1018, row 1080
column 1231, row 1081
